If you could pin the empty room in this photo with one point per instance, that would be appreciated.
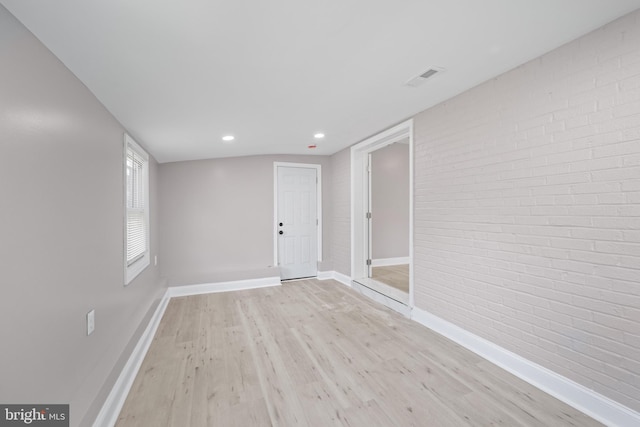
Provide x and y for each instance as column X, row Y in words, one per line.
column 290, row 213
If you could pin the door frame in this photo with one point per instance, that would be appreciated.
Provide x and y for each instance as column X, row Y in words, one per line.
column 360, row 197
column 318, row 169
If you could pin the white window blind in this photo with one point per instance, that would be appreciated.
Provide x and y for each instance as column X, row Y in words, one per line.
column 137, row 215
column 136, row 226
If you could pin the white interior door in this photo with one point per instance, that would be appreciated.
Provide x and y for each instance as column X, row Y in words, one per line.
column 297, row 222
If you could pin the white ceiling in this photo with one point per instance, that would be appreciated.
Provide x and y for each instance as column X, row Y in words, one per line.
column 181, row 74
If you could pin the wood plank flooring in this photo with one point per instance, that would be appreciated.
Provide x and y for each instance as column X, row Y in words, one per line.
column 396, row 276
column 312, row 353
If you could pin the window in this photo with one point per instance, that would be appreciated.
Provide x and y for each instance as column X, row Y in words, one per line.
column 136, row 180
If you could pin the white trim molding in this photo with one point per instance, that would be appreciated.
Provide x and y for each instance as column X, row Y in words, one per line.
column 132, row 268
column 112, row 406
column 210, row 288
column 338, row 277
column 360, row 196
column 385, row 262
column 110, row 411
column 382, row 298
column 367, row 291
column 325, row 275
column 583, row 399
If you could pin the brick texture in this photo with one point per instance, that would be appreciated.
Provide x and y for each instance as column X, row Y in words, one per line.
column 527, row 210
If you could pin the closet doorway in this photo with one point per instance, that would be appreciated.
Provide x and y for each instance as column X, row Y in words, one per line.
column 382, row 217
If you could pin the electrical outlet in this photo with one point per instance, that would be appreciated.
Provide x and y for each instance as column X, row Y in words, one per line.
column 91, row 321
column 155, row 260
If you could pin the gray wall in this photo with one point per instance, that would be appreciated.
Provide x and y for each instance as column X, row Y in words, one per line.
column 390, row 201
column 340, row 237
column 61, row 235
column 527, row 224
column 217, row 217
column 527, row 205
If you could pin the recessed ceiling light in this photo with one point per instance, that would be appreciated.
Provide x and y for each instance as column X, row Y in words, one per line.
column 228, row 138
column 318, row 135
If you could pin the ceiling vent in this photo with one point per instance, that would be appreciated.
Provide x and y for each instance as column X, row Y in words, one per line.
column 420, row 79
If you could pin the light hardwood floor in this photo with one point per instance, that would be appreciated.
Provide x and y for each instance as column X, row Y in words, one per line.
column 313, row 353
column 396, row 276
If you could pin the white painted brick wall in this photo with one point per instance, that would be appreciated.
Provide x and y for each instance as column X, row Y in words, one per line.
column 527, row 210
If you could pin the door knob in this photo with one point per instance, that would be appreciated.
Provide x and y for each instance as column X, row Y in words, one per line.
column 280, row 224
column 280, row 232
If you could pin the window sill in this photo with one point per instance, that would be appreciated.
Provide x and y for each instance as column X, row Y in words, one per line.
column 132, row 271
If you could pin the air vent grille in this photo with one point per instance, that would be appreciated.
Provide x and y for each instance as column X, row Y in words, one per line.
column 420, row 79
column 428, row 73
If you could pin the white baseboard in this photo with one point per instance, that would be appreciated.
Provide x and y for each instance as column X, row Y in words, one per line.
column 383, row 299
column 113, row 405
column 364, row 290
column 339, row 277
column 384, row 289
column 583, row 399
column 108, row 415
column 209, row 288
column 325, row 275
column 384, row 262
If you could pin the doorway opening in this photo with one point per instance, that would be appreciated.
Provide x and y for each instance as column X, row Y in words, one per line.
column 297, row 219
column 363, row 222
